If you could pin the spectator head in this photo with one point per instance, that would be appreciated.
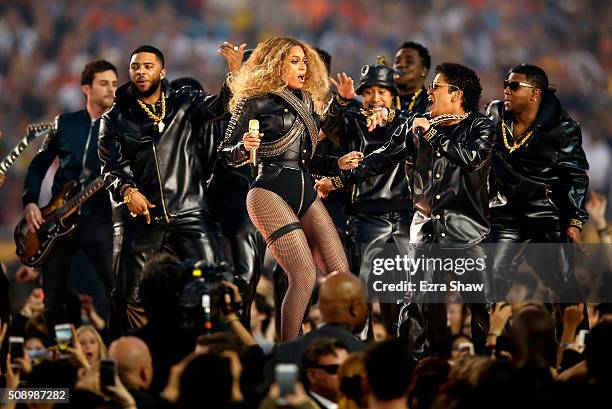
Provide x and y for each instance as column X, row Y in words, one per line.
column 454, row 83
column 134, row 362
column 380, row 330
column 603, row 312
column 98, row 83
column 181, row 82
column 92, row 344
column 428, row 376
column 389, row 366
column 599, row 352
column 147, row 70
column 163, row 277
column 523, row 88
column 455, row 342
column 352, row 377
column 469, row 369
column 320, row 363
column 413, row 61
column 261, row 314
column 206, row 378
column 219, row 342
column 533, row 333
column 342, row 300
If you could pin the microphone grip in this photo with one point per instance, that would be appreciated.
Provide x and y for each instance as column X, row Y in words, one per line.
column 253, row 128
column 419, row 131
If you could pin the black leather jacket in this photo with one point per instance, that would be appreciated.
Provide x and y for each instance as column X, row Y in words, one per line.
column 76, row 145
column 276, row 119
column 171, row 168
column 450, row 180
column 544, row 181
column 387, row 192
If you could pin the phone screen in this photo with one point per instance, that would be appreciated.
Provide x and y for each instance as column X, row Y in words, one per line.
column 63, row 336
column 15, row 349
column 108, row 370
column 285, row 376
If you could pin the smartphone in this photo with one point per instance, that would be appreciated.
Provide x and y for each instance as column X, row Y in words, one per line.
column 466, row 348
column 581, row 337
column 16, row 350
column 63, row 336
column 37, row 355
column 108, row 371
column 285, row 376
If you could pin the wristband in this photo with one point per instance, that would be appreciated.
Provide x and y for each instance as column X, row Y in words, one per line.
column 575, row 223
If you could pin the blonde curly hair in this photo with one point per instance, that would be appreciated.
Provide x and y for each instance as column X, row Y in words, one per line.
column 266, row 69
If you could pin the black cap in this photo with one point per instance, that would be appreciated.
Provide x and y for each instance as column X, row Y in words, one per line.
column 378, row 74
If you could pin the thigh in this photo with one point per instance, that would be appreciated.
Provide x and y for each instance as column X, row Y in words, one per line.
column 269, row 211
column 368, row 235
column 96, row 239
column 56, row 268
column 193, row 238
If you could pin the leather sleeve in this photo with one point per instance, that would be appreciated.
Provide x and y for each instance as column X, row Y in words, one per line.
column 114, row 159
column 399, row 145
column 231, row 150
column 477, row 149
column 572, row 166
column 40, row 164
column 212, row 107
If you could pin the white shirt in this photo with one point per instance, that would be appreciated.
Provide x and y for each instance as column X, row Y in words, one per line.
column 327, row 404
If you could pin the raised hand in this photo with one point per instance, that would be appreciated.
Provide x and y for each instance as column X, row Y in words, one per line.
column 344, row 85
column 233, row 55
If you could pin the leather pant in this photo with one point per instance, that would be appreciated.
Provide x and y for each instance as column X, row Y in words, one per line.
column 187, row 237
column 369, row 232
column 551, row 257
column 246, row 246
column 423, row 315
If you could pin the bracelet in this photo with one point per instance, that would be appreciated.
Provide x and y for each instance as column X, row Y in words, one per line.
column 603, row 231
column 430, row 134
column 341, row 101
column 128, row 197
column 231, row 319
column 575, row 223
column 337, row 182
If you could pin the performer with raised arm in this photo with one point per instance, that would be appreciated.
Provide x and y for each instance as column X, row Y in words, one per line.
column 156, row 160
column 451, row 150
column 284, row 85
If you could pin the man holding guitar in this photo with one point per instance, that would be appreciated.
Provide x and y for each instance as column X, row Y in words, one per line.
column 76, row 144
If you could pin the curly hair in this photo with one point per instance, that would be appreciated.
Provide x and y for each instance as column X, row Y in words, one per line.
column 466, row 80
column 266, row 69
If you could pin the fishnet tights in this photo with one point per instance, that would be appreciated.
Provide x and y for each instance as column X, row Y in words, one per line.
column 269, row 212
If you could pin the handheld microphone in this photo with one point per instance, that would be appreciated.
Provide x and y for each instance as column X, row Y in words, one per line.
column 253, row 128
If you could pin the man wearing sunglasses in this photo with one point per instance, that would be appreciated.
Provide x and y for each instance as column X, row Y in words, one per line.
column 320, row 363
column 538, row 180
column 451, row 150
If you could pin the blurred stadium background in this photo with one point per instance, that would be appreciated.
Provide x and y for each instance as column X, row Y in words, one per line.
column 44, row 45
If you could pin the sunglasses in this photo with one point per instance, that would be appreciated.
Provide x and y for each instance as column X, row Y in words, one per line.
column 435, row 85
column 515, row 85
column 330, row 369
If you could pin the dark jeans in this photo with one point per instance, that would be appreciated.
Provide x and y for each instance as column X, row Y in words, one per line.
column 94, row 237
column 187, row 237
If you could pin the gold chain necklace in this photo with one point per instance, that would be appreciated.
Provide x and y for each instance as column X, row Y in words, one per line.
column 412, row 101
column 157, row 120
column 447, row 117
column 515, row 145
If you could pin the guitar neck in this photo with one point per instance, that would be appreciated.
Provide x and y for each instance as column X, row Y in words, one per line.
column 12, row 157
column 71, row 205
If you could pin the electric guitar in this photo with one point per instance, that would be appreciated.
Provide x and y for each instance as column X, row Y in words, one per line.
column 33, row 131
column 33, row 247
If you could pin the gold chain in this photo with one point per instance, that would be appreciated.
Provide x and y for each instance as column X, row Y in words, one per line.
column 515, row 145
column 150, row 114
column 447, row 117
column 414, row 98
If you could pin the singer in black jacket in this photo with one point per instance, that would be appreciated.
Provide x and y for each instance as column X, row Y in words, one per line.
column 277, row 88
column 452, row 153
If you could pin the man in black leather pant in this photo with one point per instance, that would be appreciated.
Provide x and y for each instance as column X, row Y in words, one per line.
column 451, row 155
column 156, row 161
column 75, row 143
column 539, row 183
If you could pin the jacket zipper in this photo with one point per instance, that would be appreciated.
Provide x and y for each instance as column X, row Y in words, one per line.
column 85, row 158
column 161, row 190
